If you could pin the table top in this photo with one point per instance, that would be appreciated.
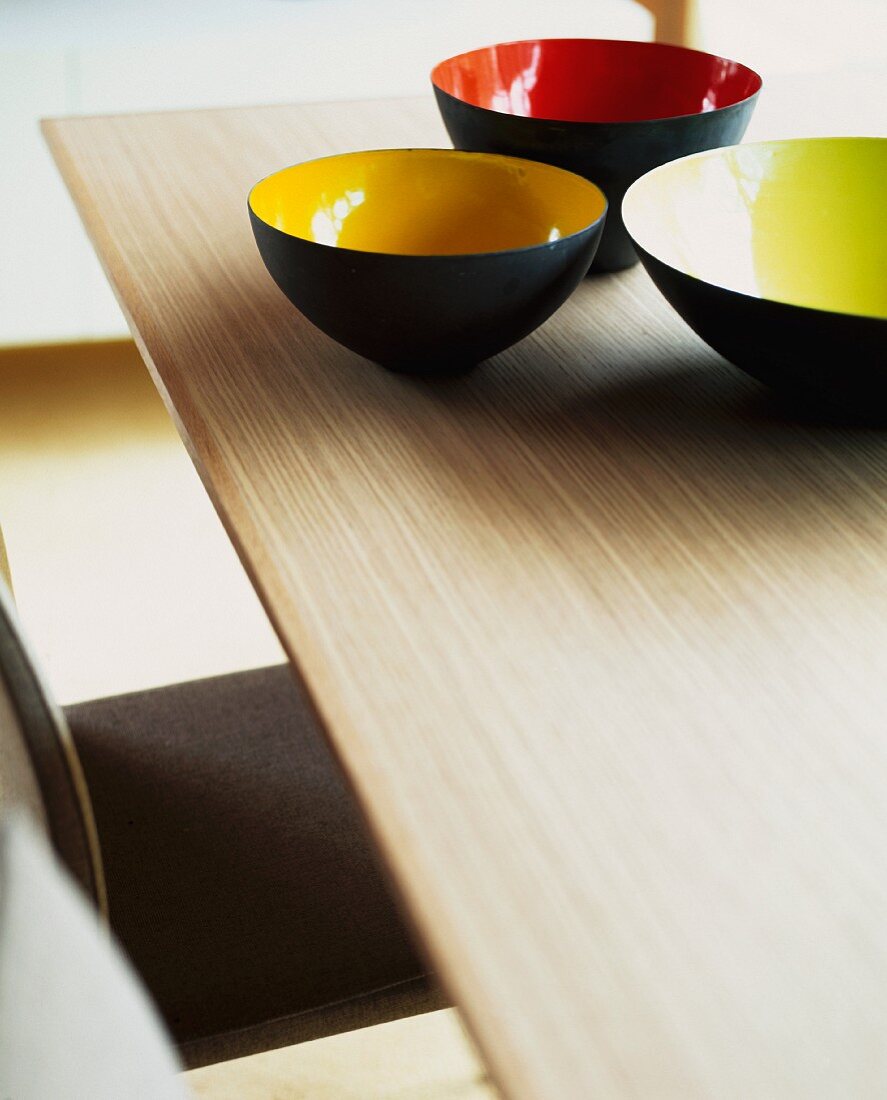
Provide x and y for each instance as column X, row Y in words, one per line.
column 598, row 633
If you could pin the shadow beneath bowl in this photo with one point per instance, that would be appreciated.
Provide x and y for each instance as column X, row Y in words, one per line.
column 679, row 456
column 807, row 411
column 633, row 437
column 677, row 399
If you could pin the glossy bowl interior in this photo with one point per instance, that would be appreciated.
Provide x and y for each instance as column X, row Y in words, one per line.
column 426, row 202
column 776, row 255
column 595, row 80
column 800, row 222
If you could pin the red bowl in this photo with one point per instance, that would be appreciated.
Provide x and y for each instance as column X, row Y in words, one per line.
column 607, row 109
column 595, row 80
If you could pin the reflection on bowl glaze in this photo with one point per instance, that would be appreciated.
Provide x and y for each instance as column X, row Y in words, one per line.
column 425, row 202
column 776, row 254
column 595, row 80
column 606, row 109
column 426, row 259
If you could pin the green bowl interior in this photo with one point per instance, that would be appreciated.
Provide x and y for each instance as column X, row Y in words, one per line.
column 800, row 222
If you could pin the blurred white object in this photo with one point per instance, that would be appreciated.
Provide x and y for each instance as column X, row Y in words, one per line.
column 74, row 1021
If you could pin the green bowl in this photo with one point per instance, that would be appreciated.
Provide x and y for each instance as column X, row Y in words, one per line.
column 775, row 253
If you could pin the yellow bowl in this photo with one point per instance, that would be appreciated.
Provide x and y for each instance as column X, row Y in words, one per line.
column 776, row 254
column 426, row 259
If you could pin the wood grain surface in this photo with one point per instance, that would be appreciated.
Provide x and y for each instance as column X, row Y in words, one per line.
column 599, row 633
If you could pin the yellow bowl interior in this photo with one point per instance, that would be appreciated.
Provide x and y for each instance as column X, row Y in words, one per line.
column 426, row 202
column 797, row 221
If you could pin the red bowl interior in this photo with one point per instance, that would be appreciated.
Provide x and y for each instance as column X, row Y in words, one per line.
column 595, row 80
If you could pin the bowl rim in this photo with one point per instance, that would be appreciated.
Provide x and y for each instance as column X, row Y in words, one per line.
column 723, row 151
column 456, row 154
column 575, row 124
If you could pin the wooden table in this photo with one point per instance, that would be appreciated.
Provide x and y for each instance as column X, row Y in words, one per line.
column 599, row 633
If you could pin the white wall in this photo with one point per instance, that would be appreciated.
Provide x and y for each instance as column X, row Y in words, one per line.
column 80, row 57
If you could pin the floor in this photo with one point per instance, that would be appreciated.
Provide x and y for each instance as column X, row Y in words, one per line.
column 124, row 578
column 425, row 1058
column 122, row 572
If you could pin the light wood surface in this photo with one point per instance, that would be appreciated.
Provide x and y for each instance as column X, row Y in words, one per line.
column 675, row 21
column 599, row 633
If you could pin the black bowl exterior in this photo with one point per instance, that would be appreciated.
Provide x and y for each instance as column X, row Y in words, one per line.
column 611, row 154
column 426, row 314
column 833, row 359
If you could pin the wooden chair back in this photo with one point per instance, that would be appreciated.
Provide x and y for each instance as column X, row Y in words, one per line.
column 40, row 772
